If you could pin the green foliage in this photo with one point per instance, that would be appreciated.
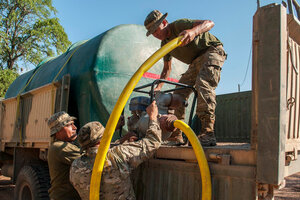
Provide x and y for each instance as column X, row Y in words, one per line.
column 7, row 76
column 29, row 33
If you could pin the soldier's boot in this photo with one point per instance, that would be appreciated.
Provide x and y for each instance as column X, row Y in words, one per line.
column 175, row 138
column 207, row 139
column 207, row 135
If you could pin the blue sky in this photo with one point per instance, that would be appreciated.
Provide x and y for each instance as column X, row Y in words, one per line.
column 85, row 19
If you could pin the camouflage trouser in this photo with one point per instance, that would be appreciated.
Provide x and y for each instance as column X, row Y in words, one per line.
column 204, row 74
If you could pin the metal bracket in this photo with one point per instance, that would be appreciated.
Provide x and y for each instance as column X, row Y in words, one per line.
column 291, row 102
column 223, row 159
column 290, row 156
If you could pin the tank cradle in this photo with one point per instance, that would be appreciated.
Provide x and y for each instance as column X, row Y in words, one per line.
column 181, row 86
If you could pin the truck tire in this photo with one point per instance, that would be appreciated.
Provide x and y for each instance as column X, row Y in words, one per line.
column 32, row 183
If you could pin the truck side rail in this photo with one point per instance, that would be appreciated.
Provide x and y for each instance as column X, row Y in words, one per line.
column 29, row 128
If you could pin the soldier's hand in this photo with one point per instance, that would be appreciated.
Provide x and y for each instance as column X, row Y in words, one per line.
column 130, row 137
column 188, row 36
column 121, row 122
column 152, row 111
column 158, row 88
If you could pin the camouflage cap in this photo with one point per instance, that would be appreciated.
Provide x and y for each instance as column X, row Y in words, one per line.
column 59, row 120
column 153, row 20
column 90, row 134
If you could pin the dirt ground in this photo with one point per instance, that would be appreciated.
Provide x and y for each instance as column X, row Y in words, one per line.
column 290, row 192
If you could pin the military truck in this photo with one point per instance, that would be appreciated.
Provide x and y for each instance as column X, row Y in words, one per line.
column 257, row 131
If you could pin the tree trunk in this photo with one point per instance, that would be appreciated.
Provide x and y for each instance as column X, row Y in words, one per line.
column 10, row 64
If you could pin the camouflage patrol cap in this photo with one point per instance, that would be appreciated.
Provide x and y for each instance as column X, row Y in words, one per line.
column 59, row 120
column 153, row 20
column 90, row 134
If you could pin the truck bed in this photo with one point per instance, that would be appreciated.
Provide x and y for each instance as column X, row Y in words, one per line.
column 174, row 173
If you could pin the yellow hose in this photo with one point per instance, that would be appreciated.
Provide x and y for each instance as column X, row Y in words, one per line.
column 200, row 155
column 116, row 113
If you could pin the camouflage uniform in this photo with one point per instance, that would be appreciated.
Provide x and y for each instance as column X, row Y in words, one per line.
column 60, row 157
column 120, row 161
column 205, row 56
column 204, row 74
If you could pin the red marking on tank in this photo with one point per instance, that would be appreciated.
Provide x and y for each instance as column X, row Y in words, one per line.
column 156, row 76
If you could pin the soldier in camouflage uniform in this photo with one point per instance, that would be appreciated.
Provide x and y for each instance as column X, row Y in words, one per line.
column 205, row 55
column 61, row 155
column 120, row 160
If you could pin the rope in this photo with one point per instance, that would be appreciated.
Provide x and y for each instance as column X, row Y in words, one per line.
column 65, row 64
column 247, row 67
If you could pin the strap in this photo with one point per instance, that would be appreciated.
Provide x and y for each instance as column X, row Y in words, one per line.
column 65, row 63
column 53, row 91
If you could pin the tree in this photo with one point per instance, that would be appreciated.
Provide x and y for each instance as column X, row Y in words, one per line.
column 7, row 76
column 29, row 33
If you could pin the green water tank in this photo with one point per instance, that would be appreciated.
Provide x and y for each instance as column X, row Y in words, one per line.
column 99, row 68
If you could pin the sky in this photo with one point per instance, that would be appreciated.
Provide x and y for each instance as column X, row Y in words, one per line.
column 85, row 19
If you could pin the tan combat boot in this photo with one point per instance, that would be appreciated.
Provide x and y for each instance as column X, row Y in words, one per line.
column 207, row 136
column 207, row 139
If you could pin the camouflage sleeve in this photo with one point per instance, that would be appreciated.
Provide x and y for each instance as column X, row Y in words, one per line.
column 69, row 153
column 130, row 155
column 80, row 175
